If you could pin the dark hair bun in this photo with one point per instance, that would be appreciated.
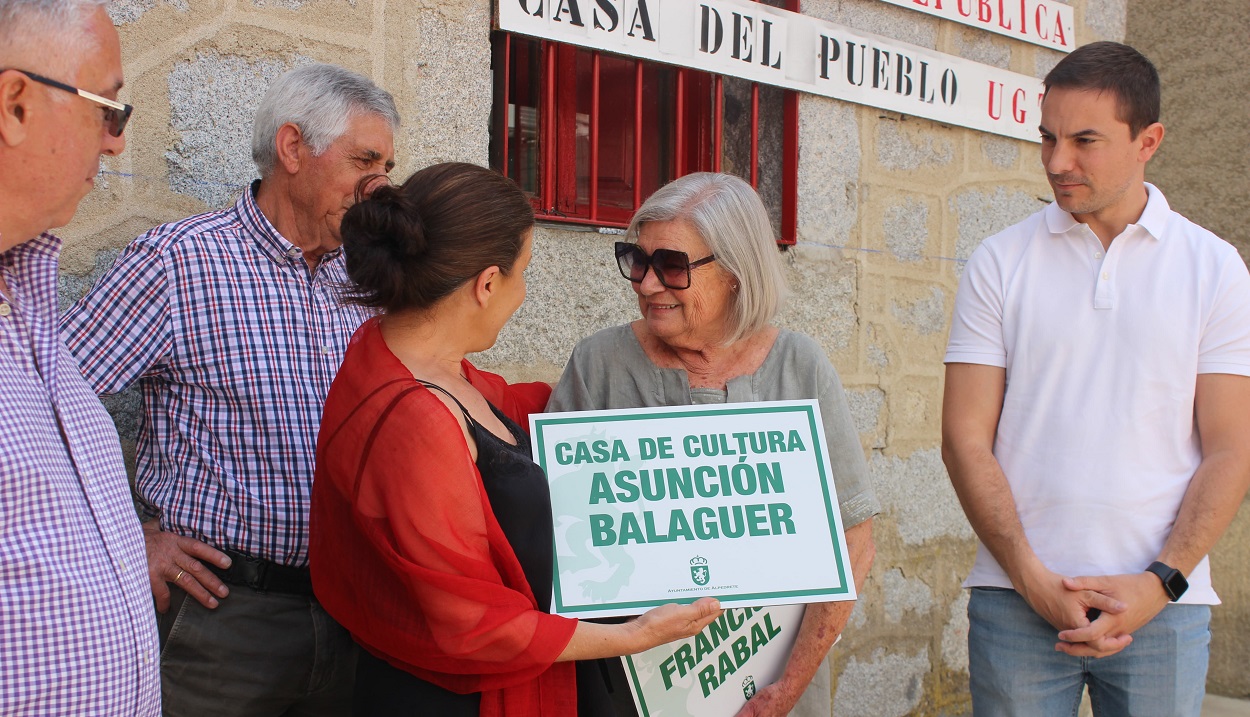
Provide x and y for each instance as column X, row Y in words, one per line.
column 386, row 222
column 409, row 246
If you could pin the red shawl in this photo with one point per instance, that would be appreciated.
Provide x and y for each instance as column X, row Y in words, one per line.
column 405, row 550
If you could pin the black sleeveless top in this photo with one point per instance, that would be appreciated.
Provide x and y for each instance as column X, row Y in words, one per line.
column 519, row 497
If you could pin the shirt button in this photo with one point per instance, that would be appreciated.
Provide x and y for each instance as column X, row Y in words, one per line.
column 5, row 309
column 293, row 252
column 1098, row 255
column 1105, row 276
column 326, row 350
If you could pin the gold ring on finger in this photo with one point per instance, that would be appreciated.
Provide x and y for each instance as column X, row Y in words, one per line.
column 179, row 575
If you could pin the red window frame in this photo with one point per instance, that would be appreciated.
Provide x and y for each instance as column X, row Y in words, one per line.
column 549, row 171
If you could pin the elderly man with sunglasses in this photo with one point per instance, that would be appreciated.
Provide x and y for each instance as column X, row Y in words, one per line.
column 232, row 325
column 76, row 632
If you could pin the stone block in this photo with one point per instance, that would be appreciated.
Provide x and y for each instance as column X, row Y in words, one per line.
column 447, row 68
column 1104, row 19
column 955, row 635
column 213, row 99
column 904, row 595
column 574, row 289
column 1001, row 152
column 926, row 314
column 918, row 494
column 987, row 48
column 822, row 297
column 906, row 228
column 887, row 684
column 983, row 212
column 866, row 405
column 878, row 18
column 829, row 170
column 911, row 144
column 124, row 12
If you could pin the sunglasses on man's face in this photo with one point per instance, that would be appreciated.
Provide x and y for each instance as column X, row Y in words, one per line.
column 671, row 267
column 116, row 114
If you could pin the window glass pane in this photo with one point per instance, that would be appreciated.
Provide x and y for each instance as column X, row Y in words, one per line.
column 583, row 76
column 517, row 114
column 659, row 117
column 517, row 129
column 617, row 96
column 772, row 131
column 616, row 137
column 700, row 107
column 736, row 138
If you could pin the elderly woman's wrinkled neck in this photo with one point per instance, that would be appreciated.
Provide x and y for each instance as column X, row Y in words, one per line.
column 710, row 365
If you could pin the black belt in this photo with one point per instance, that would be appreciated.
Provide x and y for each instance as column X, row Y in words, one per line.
column 263, row 575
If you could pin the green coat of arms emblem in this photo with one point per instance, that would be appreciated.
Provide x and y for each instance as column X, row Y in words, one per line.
column 699, row 571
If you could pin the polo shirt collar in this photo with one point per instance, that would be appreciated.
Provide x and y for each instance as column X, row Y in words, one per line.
column 267, row 238
column 1154, row 218
column 1059, row 221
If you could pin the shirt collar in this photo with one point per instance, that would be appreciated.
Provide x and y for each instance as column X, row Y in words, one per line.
column 1153, row 219
column 43, row 248
column 267, row 237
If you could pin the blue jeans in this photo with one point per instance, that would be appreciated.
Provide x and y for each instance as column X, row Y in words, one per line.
column 1016, row 672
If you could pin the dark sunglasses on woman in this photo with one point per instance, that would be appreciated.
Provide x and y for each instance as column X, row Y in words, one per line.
column 671, row 267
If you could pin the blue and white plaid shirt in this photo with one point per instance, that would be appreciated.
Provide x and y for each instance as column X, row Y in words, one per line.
column 77, row 634
column 234, row 341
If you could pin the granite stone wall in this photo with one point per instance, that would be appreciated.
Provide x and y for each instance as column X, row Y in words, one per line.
column 1203, row 166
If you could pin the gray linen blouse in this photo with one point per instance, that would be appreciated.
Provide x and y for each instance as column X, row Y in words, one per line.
column 610, row 370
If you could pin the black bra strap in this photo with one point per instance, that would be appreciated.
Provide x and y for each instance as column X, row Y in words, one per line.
column 463, row 410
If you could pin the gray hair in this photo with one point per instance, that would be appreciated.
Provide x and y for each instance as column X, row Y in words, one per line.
column 320, row 99
column 24, row 23
column 730, row 217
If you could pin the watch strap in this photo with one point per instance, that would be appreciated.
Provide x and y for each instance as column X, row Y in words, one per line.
column 1174, row 583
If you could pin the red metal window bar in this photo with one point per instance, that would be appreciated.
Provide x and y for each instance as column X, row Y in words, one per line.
column 550, row 133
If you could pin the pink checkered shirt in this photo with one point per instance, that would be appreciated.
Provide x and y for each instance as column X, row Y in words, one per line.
column 77, row 631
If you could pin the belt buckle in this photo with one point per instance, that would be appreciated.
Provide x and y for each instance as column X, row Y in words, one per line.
column 262, row 575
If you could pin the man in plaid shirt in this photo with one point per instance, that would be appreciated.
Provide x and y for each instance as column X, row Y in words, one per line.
column 76, row 629
column 232, row 324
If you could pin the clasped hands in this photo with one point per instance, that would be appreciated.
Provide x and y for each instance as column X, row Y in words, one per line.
column 1126, row 602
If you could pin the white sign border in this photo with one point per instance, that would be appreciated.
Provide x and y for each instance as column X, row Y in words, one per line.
column 846, row 591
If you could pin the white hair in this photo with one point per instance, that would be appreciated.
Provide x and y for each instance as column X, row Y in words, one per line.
column 320, row 99
column 57, row 29
column 730, row 217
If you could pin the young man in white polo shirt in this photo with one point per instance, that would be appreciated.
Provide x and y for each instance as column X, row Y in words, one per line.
column 1095, row 424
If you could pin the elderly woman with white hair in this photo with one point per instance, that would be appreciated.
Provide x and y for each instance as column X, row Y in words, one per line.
column 703, row 261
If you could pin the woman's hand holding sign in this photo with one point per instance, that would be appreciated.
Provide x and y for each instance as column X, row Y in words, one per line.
column 657, row 626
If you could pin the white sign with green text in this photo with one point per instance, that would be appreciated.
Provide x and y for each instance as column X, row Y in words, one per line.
column 714, row 673
column 660, row 505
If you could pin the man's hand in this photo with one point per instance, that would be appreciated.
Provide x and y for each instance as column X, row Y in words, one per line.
column 1066, row 608
column 176, row 559
column 1141, row 592
column 776, row 700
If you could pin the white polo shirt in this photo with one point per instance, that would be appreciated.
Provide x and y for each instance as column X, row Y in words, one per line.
column 1097, row 435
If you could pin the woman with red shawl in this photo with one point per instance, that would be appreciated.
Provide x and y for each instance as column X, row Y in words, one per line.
column 431, row 527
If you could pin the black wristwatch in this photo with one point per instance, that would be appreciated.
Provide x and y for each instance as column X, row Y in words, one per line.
column 1174, row 584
